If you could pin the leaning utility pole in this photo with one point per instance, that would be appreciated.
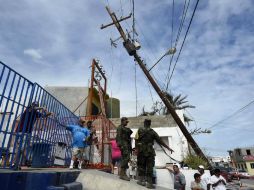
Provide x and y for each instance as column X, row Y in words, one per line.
column 131, row 49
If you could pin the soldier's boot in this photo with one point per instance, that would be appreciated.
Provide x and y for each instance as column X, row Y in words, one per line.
column 123, row 175
column 141, row 181
column 149, row 184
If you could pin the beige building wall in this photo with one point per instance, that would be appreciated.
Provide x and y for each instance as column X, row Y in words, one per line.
column 250, row 169
column 77, row 97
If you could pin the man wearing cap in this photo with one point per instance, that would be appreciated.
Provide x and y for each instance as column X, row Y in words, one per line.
column 123, row 139
column 205, row 178
column 144, row 140
column 179, row 178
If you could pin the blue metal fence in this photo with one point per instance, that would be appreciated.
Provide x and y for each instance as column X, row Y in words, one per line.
column 32, row 123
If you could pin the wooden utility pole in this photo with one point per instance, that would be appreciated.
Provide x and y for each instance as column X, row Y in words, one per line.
column 131, row 50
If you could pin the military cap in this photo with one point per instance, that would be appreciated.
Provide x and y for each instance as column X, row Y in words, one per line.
column 147, row 120
column 124, row 118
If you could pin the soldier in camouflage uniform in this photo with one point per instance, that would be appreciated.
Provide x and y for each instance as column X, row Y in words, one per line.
column 123, row 139
column 144, row 141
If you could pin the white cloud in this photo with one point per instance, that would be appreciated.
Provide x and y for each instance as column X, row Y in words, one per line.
column 215, row 68
column 33, row 53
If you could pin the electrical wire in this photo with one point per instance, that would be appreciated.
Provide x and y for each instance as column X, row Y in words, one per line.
column 172, row 23
column 133, row 21
column 185, row 10
column 184, row 13
column 148, row 83
column 133, row 38
column 230, row 116
column 136, row 91
column 152, row 50
column 187, row 31
column 146, row 39
column 121, row 8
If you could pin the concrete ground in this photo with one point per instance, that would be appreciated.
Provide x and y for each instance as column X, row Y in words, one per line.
column 92, row 179
column 98, row 180
column 248, row 182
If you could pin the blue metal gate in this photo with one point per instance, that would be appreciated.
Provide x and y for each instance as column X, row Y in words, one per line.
column 31, row 124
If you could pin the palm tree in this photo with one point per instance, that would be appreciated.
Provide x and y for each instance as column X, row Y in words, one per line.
column 146, row 113
column 178, row 102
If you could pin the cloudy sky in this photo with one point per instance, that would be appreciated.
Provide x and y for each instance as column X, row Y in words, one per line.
column 53, row 43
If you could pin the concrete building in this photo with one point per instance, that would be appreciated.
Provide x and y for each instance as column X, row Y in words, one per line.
column 222, row 161
column 76, row 98
column 243, row 158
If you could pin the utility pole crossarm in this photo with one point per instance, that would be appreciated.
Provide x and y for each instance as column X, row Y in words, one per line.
column 172, row 111
column 120, row 20
column 117, row 24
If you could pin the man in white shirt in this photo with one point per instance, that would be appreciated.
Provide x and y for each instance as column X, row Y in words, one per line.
column 218, row 182
column 205, row 178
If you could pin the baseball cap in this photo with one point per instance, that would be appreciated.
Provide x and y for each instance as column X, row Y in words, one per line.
column 201, row 167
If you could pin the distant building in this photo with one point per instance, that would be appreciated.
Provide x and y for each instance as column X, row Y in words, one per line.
column 243, row 158
column 76, row 98
column 223, row 161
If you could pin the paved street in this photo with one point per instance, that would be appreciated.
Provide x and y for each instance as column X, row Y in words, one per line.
column 247, row 184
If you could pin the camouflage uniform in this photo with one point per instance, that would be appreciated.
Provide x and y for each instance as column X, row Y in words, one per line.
column 145, row 137
column 123, row 139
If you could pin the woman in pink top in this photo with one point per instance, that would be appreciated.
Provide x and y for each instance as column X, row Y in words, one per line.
column 115, row 154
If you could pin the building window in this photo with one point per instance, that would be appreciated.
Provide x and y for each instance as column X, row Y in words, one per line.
column 252, row 165
column 238, row 151
column 248, row 152
column 245, row 165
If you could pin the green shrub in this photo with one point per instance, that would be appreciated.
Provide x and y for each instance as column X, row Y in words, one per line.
column 194, row 161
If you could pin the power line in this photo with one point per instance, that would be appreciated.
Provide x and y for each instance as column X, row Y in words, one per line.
column 150, row 91
column 121, row 7
column 172, row 23
column 235, row 113
column 146, row 40
column 182, row 43
column 185, row 9
column 136, row 91
column 184, row 13
column 133, row 20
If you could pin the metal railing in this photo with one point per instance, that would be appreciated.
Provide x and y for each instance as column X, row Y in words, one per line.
column 32, row 123
column 105, row 131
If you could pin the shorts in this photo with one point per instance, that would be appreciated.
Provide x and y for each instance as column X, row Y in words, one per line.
column 78, row 152
column 116, row 160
